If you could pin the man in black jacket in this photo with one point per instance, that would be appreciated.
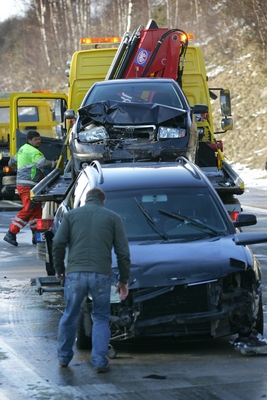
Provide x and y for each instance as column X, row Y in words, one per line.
column 90, row 232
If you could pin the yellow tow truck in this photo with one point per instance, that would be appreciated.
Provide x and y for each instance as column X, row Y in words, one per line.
column 118, row 59
column 20, row 112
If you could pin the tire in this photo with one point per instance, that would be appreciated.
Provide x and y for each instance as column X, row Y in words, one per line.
column 84, row 327
column 43, row 251
column 260, row 319
column 41, row 254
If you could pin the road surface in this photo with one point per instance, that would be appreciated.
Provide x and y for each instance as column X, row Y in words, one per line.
column 185, row 371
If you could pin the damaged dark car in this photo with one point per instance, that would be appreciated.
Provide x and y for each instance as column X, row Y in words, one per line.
column 193, row 275
column 134, row 119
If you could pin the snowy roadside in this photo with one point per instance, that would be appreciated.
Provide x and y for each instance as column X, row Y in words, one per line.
column 253, row 178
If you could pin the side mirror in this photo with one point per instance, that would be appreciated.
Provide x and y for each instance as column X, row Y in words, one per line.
column 227, row 124
column 225, row 102
column 67, row 71
column 69, row 114
column 60, row 108
column 200, row 109
column 245, row 220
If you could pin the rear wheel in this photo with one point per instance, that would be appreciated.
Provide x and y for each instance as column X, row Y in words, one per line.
column 84, row 326
column 44, row 249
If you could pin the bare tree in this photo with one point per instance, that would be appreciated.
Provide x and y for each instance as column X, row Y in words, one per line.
column 176, row 20
column 129, row 16
column 40, row 9
column 260, row 13
column 168, row 13
column 50, row 32
column 149, row 9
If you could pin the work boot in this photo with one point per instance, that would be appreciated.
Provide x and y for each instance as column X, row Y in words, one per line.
column 34, row 238
column 11, row 238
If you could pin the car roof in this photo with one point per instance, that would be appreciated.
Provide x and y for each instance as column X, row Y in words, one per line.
column 131, row 81
column 150, row 175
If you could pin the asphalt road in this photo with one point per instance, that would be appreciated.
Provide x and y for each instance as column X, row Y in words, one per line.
column 29, row 368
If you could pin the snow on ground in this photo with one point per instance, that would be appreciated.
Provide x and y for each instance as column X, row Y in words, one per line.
column 253, row 178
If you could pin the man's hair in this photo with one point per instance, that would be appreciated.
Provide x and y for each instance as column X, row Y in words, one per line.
column 31, row 135
column 97, row 193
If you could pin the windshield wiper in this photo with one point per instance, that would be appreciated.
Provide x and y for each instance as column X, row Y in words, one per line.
column 190, row 221
column 151, row 222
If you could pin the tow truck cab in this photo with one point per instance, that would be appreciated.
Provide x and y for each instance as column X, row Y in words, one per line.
column 21, row 112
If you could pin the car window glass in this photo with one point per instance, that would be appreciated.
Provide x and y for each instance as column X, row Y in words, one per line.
column 153, row 92
column 4, row 115
column 28, row 114
column 198, row 206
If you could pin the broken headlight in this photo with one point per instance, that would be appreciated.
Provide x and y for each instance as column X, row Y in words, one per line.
column 93, row 133
column 114, row 297
column 165, row 132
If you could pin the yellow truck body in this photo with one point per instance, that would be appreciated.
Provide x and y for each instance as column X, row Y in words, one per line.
column 87, row 67
column 21, row 112
column 92, row 65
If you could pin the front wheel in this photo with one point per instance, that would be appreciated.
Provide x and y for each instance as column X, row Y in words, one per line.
column 260, row 319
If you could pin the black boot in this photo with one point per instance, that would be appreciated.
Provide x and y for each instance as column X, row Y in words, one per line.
column 11, row 238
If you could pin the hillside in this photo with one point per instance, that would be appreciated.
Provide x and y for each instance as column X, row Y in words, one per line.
column 35, row 49
column 247, row 143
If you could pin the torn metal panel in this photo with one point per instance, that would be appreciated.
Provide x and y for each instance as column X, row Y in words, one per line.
column 121, row 113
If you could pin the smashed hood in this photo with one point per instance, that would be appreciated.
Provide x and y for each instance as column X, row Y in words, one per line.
column 170, row 263
column 121, row 113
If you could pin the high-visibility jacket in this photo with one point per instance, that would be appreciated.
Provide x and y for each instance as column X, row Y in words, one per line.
column 31, row 164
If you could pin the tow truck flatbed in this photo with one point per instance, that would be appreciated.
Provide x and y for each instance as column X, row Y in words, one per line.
column 225, row 180
column 53, row 187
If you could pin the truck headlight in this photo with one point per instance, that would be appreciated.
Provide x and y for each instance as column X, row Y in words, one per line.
column 165, row 132
column 93, row 133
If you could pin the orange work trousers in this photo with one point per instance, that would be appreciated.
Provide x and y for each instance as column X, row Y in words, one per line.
column 29, row 213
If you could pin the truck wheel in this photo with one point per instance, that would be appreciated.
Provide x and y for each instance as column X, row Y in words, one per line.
column 84, row 327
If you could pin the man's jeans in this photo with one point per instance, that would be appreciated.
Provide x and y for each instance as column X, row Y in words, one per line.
column 77, row 286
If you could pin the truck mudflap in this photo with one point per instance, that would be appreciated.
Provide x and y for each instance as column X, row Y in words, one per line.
column 53, row 187
column 225, row 181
